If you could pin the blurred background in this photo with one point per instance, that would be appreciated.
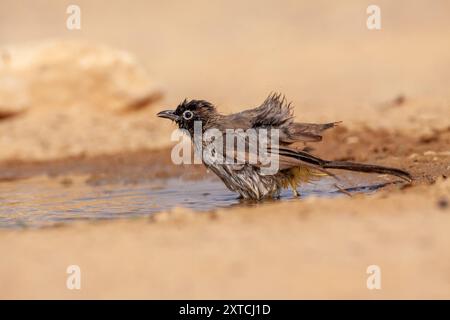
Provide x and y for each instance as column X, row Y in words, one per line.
column 146, row 55
column 236, row 52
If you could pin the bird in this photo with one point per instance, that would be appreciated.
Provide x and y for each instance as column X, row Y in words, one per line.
column 296, row 164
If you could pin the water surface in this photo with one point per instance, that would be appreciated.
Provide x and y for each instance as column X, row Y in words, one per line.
column 42, row 201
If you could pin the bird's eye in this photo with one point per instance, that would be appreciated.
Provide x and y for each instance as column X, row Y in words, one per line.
column 188, row 115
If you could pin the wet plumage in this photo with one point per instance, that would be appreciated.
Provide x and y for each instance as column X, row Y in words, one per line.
column 296, row 166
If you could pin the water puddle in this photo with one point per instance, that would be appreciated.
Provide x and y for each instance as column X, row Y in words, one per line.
column 43, row 201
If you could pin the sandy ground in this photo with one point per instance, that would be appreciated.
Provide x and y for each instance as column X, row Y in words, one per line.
column 70, row 106
column 308, row 249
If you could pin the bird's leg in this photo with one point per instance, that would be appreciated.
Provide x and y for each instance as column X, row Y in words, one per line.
column 294, row 189
column 342, row 190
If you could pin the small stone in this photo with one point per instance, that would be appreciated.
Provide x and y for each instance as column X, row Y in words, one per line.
column 428, row 138
column 66, row 182
column 352, row 140
column 176, row 214
column 399, row 100
column 442, row 203
column 160, row 217
column 429, row 153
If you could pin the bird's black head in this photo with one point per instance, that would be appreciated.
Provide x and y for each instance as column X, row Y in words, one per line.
column 188, row 112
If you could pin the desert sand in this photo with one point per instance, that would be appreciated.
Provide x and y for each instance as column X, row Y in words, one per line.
column 80, row 105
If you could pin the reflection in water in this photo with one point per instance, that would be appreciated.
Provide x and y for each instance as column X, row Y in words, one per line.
column 44, row 201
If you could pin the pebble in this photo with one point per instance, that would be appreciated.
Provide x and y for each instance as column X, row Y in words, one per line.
column 352, row 140
column 443, row 203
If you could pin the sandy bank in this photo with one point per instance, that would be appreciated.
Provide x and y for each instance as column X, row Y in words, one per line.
column 307, row 249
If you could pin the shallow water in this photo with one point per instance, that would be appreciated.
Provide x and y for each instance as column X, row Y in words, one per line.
column 43, row 201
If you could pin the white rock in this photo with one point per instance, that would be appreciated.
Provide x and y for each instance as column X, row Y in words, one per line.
column 61, row 74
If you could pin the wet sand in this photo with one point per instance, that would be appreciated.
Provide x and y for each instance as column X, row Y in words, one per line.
column 390, row 89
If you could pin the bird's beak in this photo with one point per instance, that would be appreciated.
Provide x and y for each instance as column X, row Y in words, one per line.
column 168, row 114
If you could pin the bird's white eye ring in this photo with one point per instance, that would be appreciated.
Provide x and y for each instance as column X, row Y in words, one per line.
column 188, row 115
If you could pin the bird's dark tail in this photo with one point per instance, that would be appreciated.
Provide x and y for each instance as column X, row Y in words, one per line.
column 343, row 165
column 360, row 167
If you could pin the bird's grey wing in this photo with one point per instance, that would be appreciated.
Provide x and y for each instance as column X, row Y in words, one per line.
column 254, row 153
column 304, row 132
column 275, row 112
